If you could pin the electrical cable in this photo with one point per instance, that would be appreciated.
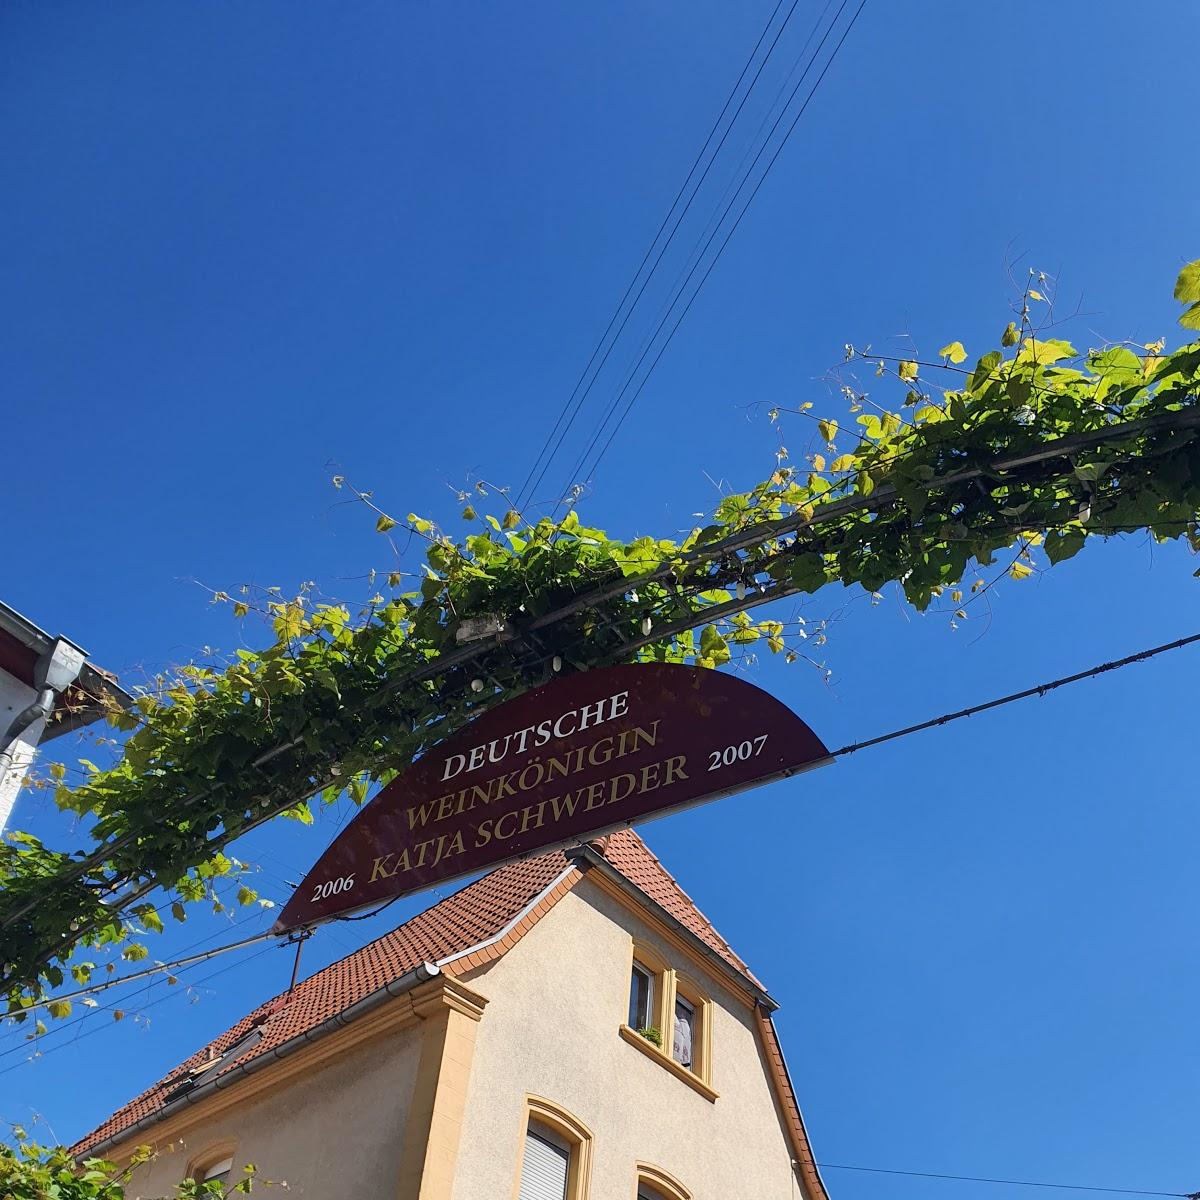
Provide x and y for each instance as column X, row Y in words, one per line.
column 373, row 913
column 105, row 984
column 6, row 1050
column 1070, row 1187
column 725, row 242
column 1025, row 694
column 171, row 995
column 527, row 489
column 767, row 118
column 720, row 211
column 578, row 471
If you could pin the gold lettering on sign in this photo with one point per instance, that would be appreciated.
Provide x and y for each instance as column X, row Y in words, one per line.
column 574, row 720
column 533, row 775
column 503, row 792
column 548, row 813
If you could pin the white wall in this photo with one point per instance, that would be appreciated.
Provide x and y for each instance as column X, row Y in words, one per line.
column 15, row 697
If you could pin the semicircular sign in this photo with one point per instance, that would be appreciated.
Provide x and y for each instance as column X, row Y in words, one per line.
column 580, row 756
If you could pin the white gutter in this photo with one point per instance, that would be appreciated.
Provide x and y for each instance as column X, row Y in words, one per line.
column 570, row 869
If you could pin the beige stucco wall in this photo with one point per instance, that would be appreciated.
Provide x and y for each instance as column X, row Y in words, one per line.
column 334, row 1134
column 550, row 1029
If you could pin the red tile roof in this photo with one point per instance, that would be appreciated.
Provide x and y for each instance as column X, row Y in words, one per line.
column 462, row 921
column 793, row 1120
column 642, row 867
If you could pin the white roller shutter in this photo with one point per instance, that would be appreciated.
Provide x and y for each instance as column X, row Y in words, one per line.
column 544, row 1171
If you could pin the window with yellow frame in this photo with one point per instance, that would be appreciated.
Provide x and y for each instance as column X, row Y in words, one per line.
column 669, row 1010
column 691, row 1027
column 653, row 1183
column 555, row 1153
column 214, row 1164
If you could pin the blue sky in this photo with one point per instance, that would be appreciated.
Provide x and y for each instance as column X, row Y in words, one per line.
column 249, row 246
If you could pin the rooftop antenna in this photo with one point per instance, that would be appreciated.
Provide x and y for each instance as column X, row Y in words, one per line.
column 297, row 939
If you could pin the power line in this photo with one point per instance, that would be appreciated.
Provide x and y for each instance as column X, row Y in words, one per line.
column 170, row 995
column 1069, row 1187
column 767, row 117
column 737, row 182
column 1027, row 693
column 105, row 984
column 7, row 1050
column 527, row 489
column 734, row 185
column 725, row 242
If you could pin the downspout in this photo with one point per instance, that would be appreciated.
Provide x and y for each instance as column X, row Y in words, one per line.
column 42, row 707
column 53, row 673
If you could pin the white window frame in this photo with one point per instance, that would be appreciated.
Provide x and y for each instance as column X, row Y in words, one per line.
column 646, row 1018
column 681, row 1000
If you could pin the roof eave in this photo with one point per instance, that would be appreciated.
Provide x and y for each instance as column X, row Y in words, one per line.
column 94, row 683
column 805, row 1163
column 591, row 859
column 406, row 982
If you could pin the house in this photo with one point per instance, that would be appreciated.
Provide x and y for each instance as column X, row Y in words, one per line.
column 47, row 688
column 569, row 1026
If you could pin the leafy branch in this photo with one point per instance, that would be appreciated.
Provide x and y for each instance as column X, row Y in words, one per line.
column 1033, row 450
column 29, row 1171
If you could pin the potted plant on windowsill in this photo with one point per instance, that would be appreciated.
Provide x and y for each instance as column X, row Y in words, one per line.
column 652, row 1034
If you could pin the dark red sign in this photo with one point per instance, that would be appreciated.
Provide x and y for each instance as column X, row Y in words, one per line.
column 585, row 754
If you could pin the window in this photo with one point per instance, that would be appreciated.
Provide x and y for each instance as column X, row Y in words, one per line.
column 555, row 1158
column 682, row 1034
column 219, row 1172
column 214, row 1164
column 546, row 1165
column 655, row 1184
column 691, row 1030
column 669, row 1019
column 649, row 991
column 641, row 992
